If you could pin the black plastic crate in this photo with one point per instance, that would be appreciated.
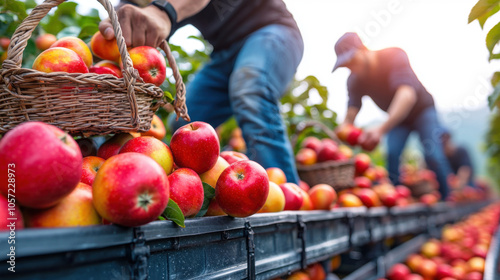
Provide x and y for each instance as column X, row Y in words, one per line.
column 492, row 265
column 411, row 219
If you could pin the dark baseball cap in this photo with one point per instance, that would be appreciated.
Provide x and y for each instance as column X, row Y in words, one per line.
column 346, row 47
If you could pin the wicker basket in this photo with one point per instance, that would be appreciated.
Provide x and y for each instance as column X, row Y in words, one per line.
column 338, row 174
column 80, row 104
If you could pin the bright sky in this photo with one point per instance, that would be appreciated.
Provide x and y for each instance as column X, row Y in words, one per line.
column 448, row 55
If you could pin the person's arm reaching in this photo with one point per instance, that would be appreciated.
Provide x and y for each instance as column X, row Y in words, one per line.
column 352, row 112
column 149, row 26
column 402, row 103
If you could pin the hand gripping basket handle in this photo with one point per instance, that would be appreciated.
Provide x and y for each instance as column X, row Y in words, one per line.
column 20, row 39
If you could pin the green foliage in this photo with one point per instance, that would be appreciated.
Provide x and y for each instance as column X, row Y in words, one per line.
column 297, row 105
column 482, row 11
column 208, row 194
column 174, row 213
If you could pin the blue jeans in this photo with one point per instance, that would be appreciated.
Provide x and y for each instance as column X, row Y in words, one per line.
column 248, row 80
column 429, row 131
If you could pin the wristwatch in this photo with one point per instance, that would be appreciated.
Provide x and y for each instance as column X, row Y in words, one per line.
column 168, row 9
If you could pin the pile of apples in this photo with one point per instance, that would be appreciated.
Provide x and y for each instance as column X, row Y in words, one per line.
column 459, row 255
column 129, row 181
column 315, row 271
column 314, row 150
column 72, row 55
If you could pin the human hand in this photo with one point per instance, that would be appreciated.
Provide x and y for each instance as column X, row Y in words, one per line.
column 147, row 26
column 370, row 138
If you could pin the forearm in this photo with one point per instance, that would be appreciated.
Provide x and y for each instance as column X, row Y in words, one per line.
column 400, row 107
column 351, row 114
column 183, row 8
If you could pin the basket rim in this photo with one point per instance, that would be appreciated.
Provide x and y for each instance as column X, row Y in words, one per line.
column 326, row 165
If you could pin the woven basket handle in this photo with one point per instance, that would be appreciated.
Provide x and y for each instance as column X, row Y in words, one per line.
column 306, row 124
column 23, row 32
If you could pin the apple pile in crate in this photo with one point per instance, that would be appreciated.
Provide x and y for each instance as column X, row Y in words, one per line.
column 72, row 55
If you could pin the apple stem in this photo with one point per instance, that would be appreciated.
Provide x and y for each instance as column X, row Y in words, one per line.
column 64, row 138
column 240, row 176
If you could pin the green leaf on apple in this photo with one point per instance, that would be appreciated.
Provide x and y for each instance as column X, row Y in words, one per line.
column 209, row 193
column 174, row 213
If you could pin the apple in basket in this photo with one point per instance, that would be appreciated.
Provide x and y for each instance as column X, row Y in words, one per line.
column 149, row 63
column 131, row 189
column 77, row 45
column 43, row 162
column 104, row 49
column 59, row 59
column 110, row 65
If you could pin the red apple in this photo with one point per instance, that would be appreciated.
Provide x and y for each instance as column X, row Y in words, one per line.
column 368, row 197
column 74, row 210
column 473, row 276
column 113, row 145
column 43, row 162
column 443, row 271
column 242, row 188
column 362, row 162
column 306, row 156
column 233, row 156
column 398, row 271
column 322, row 196
column 429, row 199
column 11, row 218
column 293, row 196
column 101, row 70
column 131, row 189
column 195, row 146
column 362, row 182
column 403, row 191
column 303, row 185
column 328, row 151
column 353, row 136
column 110, row 65
column 316, row 272
column 389, row 198
column 149, row 63
column 89, row 169
column 153, row 148
column 312, row 142
column 414, row 277
column 186, row 190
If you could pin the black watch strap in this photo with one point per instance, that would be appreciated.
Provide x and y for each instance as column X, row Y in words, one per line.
column 168, row 9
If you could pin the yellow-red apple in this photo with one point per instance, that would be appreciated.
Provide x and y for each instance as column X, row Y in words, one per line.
column 149, row 63
column 157, row 129
column 322, row 196
column 104, row 49
column 59, row 60
column 307, row 204
column 153, row 148
column 76, row 209
column 312, row 142
column 303, row 185
column 44, row 161
column 211, row 176
column 349, row 200
column 316, row 272
column 306, row 156
column 275, row 201
column 77, row 45
column 368, row 197
column 131, row 189
column 276, row 175
column 44, row 41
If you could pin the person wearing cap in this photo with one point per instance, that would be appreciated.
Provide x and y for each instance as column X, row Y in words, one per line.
column 459, row 159
column 257, row 47
column 388, row 79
